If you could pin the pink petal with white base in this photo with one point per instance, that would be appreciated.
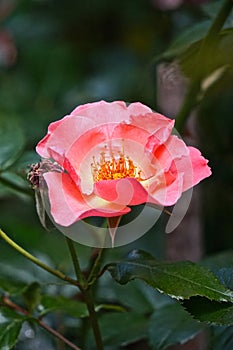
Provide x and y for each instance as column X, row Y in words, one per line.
column 68, row 205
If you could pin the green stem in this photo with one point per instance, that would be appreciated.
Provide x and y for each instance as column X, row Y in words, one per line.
column 219, row 21
column 77, row 268
column 36, row 261
column 188, row 105
column 95, row 260
column 206, row 48
column 93, row 274
column 93, row 318
column 87, row 293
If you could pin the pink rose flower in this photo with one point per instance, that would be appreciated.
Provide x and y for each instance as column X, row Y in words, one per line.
column 114, row 156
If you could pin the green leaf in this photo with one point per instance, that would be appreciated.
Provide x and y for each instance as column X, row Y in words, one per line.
column 211, row 312
column 217, row 261
column 12, row 182
column 225, row 276
column 10, row 327
column 11, row 141
column 180, row 280
column 222, row 266
column 222, row 57
column 212, row 9
column 142, row 299
column 222, row 338
column 9, row 332
column 183, row 42
column 170, row 325
column 59, row 303
column 8, row 314
column 11, row 287
column 32, row 296
column 119, row 329
column 25, row 161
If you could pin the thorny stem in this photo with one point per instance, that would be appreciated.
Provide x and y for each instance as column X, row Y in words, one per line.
column 88, row 296
column 7, row 302
column 206, row 48
column 36, row 261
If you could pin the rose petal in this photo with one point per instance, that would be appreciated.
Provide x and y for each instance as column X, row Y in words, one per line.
column 62, row 134
column 172, row 169
column 127, row 191
column 104, row 112
column 173, row 148
column 68, row 205
column 133, row 140
column 110, row 139
column 159, row 126
column 178, row 160
column 165, row 187
column 137, row 109
column 199, row 166
column 81, row 153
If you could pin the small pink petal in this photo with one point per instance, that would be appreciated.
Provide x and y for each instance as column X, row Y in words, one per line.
column 131, row 132
column 137, row 109
column 165, row 187
column 156, row 124
column 169, row 194
column 103, row 112
column 199, row 165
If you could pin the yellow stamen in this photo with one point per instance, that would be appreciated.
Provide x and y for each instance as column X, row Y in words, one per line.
column 111, row 167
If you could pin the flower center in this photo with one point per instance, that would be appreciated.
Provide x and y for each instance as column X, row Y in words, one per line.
column 114, row 167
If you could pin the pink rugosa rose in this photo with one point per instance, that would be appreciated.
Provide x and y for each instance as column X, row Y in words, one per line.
column 112, row 156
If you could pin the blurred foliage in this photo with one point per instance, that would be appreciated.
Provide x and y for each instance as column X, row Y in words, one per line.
column 55, row 55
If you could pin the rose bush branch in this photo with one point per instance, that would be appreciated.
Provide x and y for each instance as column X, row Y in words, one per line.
column 206, row 48
column 6, row 301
